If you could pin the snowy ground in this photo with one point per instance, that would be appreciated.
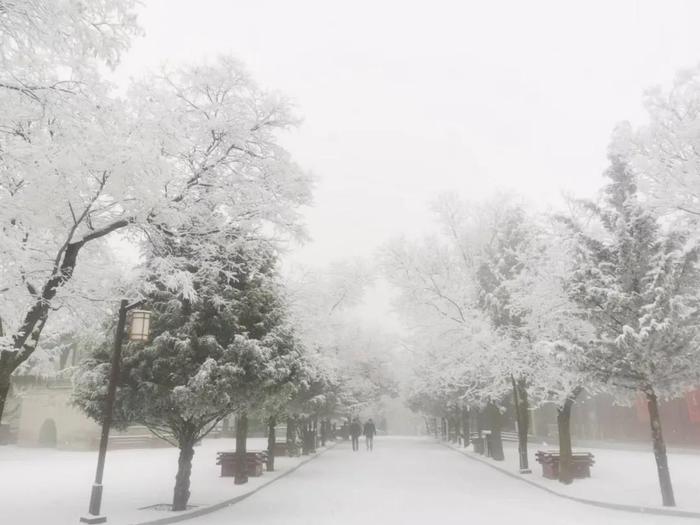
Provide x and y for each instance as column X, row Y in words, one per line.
column 404, row 481
column 411, row 481
column 52, row 487
column 621, row 476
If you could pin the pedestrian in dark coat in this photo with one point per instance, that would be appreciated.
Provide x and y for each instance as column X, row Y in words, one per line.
column 369, row 431
column 355, row 431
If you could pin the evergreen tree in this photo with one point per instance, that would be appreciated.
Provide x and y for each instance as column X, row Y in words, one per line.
column 218, row 351
column 638, row 283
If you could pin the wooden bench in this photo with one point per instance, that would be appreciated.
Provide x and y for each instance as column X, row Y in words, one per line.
column 255, row 461
column 581, row 464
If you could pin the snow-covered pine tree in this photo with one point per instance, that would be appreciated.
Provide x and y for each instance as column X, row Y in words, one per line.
column 638, row 281
column 277, row 403
column 319, row 395
column 215, row 352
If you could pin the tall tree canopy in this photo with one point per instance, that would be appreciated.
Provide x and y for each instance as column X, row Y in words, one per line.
column 191, row 149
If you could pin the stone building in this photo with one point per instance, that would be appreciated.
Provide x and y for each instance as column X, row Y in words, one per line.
column 40, row 413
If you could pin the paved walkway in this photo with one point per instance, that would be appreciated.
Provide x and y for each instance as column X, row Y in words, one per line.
column 407, row 481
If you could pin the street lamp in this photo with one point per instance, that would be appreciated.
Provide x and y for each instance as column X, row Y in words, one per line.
column 139, row 325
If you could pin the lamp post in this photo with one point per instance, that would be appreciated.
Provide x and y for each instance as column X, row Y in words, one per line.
column 138, row 331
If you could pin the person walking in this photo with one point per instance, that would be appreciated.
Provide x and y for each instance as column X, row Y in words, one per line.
column 369, row 431
column 355, row 431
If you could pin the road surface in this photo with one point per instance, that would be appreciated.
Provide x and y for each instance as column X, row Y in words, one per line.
column 406, row 481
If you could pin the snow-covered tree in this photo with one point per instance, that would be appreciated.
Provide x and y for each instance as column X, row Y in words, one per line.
column 638, row 282
column 220, row 352
column 282, row 398
column 456, row 358
column 351, row 355
column 54, row 119
column 511, row 234
column 557, row 329
column 664, row 153
column 453, row 374
column 189, row 151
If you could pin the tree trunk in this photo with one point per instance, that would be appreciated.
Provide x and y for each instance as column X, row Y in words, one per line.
column 313, row 438
column 495, row 440
column 301, row 435
column 26, row 338
column 480, row 420
column 466, row 427
column 181, row 494
column 325, row 431
column 566, row 465
column 241, row 473
column 304, row 437
column 522, row 417
column 5, row 375
column 659, row 449
column 271, row 439
column 24, row 347
column 292, row 448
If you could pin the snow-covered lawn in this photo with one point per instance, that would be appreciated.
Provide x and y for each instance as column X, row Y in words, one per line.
column 52, row 487
column 619, row 476
column 401, row 480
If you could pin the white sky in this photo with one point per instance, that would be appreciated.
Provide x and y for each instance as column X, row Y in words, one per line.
column 405, row 99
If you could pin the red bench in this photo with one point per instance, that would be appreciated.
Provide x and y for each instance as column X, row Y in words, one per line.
column 254, row 463
column 581, row 464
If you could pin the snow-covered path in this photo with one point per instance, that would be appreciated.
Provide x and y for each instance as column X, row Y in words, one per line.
column 407, row 481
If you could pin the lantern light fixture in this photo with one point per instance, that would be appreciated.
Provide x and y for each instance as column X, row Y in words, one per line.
column 139, row 325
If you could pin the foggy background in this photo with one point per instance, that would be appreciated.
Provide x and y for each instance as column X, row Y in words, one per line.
column 401, row 101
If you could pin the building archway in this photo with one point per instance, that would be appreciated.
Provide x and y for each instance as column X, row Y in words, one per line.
column 47, row 434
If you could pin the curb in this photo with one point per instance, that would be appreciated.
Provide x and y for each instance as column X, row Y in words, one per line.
column 639, row 509
column 218, row 506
